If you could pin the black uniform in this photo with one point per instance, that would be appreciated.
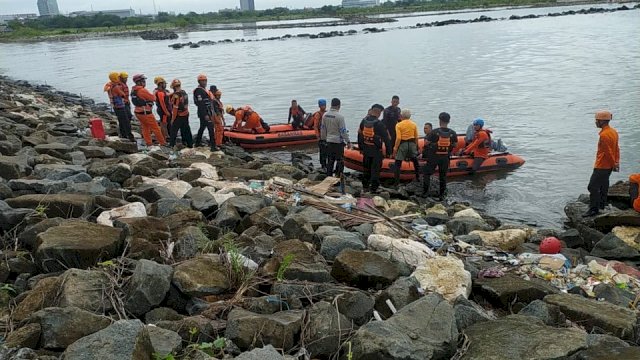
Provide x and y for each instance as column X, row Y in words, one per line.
column 372, row 134
column 202, row 99
column 441, row 142
column 298, row 118
column 390, row 118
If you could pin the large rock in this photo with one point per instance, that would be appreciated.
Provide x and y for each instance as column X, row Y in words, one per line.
column 549, row 314
column 202, row 201
column 13, row 167
column 164, row 341
column 591, row 314
column 266, row 353
column 612, row 247
column 203, row 327
column 356, row 305
column 61, row 327
column 266, row 219
column 247, row 329
column 116, row 172
column 166, row 207
column 609, row 220
column 446, row 276
column 153, row 193
column 364, row 269
column 37, row 186
column 297, row 227
column 406, row 251
column 629, row 234
column 305, row 262
column 334, row 243
column 56, row 172
column 326, row 328
column 54, row 149
column 401, row 293
column 508, row 240
column 128, row 211
column 465, row 225
column 147, row 287
column 507, row 290
column 77, row 244
column 145, row 236
column 97, row 151
column 425, row 329
column 10, row 217
column 314, row 217
column 227, row 217
column 522, row 337
column 247, row 204
column 124, row 340
column 84, row 289
column 43, row 295
column 27, row 336
column 201, row 276
column 468, row 313
column 232, row 173
column 56, row 205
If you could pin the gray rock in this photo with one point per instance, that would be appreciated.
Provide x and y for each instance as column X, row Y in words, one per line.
column 37, row 186
column 5, row 191
column 591, row 314
column 572, row 238
column 165, row 207
column 162, row 314
column 115, row 172
column 247, row 204
column 247, row 329
column 201, row 276
column 590, row 236
column 97, row 151
column 205, row 330
column 27, row 336
column 147, row 287
column 266, row 353
column 306, row 263
column 465, row 225
column 53, row 149
column 84, row 289
column 56, row 172
column 474, row 239
column 164, row 341
column 297, row 227
column 314, row 217
column 356, row 305
column 608, row 220
column 61, row 327
column 10, row 217
column 153, row 193
column 77, row 244
column 202, row 201
column 549, row 314
column 506, row 290
column 401, row 293
column 612, row 247
column 468, row 313
column 125, row 147
column 13, row 167
column 188, row 241
column 364, row 229
column 231, row 173
column 93, row 188
column 325, row 329
column 521, row 337
column 227, row 216
column 56, row 205
column 82, row 177
column 332, row 245
column 364, row 269
column 125, row 340
column 608, row 353
column 425, row 329
column 614, row 295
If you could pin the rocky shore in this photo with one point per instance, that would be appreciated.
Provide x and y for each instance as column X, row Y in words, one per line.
column 111, row 253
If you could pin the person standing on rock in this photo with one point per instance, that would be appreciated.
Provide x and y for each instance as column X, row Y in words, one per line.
column 143, row 101
column 607, row 160
column 117, row 98
column 391, row 117
column 124, row 76
column 441, row 143
column 372, row 136
column 317, row 123
column 202, row 97
column 218, row 114
column 334, row 133
column 163, row 105
column 406, row 145
column 179, row 115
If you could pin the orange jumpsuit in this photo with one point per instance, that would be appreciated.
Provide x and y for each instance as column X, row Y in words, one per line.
column 479, row 147
column 218, row 120
column 251, row 122
column 608, row 155
column 144, row 114
column 635, row 180
column 163, row 105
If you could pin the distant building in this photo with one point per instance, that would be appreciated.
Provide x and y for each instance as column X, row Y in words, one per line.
column 48, row 7
column 360, row 3
column 6, row 18
column 124, row 13
column 247, row 5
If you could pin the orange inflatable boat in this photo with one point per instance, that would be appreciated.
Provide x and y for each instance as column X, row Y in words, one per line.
column 459, row 165
column 279, row 135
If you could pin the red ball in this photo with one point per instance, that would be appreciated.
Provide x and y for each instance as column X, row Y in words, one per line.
column 550, row 245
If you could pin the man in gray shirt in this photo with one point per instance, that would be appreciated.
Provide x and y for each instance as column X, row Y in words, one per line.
column 334, row 132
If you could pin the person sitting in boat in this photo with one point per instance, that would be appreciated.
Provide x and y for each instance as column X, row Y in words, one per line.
column 247, row 120
column 296, row 112
column 496, row 145
column 634, row 179
column 480, row 146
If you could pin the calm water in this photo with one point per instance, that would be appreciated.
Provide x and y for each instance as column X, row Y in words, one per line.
column 537, row 83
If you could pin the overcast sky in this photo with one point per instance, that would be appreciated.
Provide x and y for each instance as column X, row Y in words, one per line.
column 66, row 6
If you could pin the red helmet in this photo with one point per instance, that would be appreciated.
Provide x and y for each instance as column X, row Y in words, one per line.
column 139, row 77
column 550, row 245
column 202, row 77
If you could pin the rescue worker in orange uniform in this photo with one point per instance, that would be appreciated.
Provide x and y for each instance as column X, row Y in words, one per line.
column 163, row 105
column 125, row 87
column 202, row 97
column 634, row 179
column 180, row 115
column 143, row 101
column 439, row 144
column 480, row 146
column 253, row 123
column 297, row 113
column 317, row 123
column 372, row 136
column 218, row 114
column 607, row 160
column 117, row 96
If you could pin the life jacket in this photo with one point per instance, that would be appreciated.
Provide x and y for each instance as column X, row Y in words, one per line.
column 219, row 109
column 369, row 135
column 182, row 102
column 166, row 99
column 125, row 89
column 116, row 101
column 486, row 144
column 295, row 111
column 140, row 104
column 443, row 145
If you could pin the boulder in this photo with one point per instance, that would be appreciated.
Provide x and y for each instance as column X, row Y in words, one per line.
column 124, row 340
column 613, row 248
column 406, row 251
column 56, row 205
column 465, row 225
column 202, row 201
column 424, row 329
column 284, row 170
column 165, row 207
column 505, row 291
column 128, row 211
column 56, row 172
column 591, row 314
column 325, row 330
column 332, row 245
column 164, row 341
column 401, row 293
column 188, row 241
column 436, row 215
column 11, row 217
column 153, row 193
column 201, row 276
column 99, row 152
column 53, row 149
column 508, row 240
column 27, row 336
column 227, row 216
column 613, row 294
column 37, row 186
column 77, row 244
column 266, row 353
column 267, row 219
column 232, row 173
column 28, row 237
column 13, row 167
column 522, row 337
column 297, row 227
column 549, row 314
column 162, row 314
column 305, row 262
column 123, row 146
column 356, row 305
column 364, row 269
column 147, row 287
column 84, row 289
column 5, row 191
column 609, row 220
column 43, row 295
column 247, row 204
column 247, row 329
column 629, row 234
column 118, row 172
column 445, row 276
column 204, row 328
column 572, row 239
column 468, row 313
column 62, row 327
column 314, row 217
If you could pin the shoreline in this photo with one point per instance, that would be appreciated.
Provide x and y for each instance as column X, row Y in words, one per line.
column 92, row 35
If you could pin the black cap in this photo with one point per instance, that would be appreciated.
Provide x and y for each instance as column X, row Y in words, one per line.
column 213, row 88
column 444, row 117
column 377, row 106
column 335, row 102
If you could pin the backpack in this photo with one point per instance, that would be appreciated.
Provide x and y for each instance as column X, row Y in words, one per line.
column 136, row 100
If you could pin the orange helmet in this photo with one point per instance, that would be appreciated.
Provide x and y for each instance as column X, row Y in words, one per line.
column 604, row 115
column 175, row 83
column 202, row 77
column 158, row 80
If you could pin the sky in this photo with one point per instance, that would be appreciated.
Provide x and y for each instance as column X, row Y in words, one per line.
column 179, row 6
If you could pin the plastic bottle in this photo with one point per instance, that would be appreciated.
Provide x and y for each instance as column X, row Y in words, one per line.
column 543, row 274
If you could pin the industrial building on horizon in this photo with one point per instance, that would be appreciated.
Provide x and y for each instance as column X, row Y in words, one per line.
column 360, row 3
column 247, row 5
column 122, row 13
column 48, row 7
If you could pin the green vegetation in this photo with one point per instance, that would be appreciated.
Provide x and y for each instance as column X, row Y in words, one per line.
column 284, row 265
column 101, row 23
